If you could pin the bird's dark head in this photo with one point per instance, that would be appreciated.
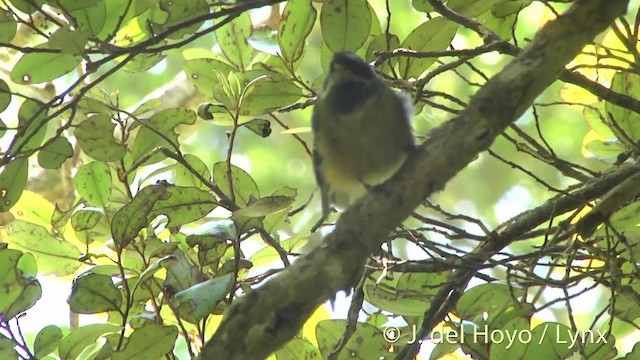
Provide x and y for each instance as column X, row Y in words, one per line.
column 350, row 82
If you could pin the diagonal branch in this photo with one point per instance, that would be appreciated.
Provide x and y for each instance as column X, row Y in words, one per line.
column 269, row 316
column 446, row 298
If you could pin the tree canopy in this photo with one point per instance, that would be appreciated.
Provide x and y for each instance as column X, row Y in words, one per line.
column 156, row 158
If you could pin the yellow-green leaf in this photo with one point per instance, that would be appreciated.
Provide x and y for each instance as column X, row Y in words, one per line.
column 54, row 154
column 232, row 39
column 345, row 24
column 265, row 206
column 93, row 183
column 95, row 137
column 39, row 67
column 54, row 256
column 13, row 178
column 297, row 21
column 434, row 35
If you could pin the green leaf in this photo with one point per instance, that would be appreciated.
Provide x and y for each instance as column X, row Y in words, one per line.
column 265, row 206
column 269, row 93
column 162, row 123
column 181, row 273
column 150, row 271
column 134, row 216
column 18, row 291
column 148, row 106
column 489, row 298
column 68, row 41
column 295, row 26
column 422, row 5
column 39, row 67
column 95, row 350
column 549, row 341
column 220, row 228
column 627, row 308
column 232, row 39
column 597, row 348
column 244, row 224
column 244, row 187
column 5, row 92
column 13, row 179
column 205, row 74
column 90, row 106
column 75, row 342
column 85, row 219
column 208, row 111
column 264, row 39
column 53, row 155
column 210, row 249
column 625, row 219
column 47, row 341
column 625, row 83
column 434, row 35
column 91, row 225
column 184, row 205
column 511, row 348
column 472, row 8
column 34, row 208
column 7, row 349
column 410, row 296
column 298, row 348
column 55, row 257
column 200, row 300
column 274, row 64
column 443, row 348
column 605, row 150
column 500, row 319
column 149, row 342
column 138, row 261
column 380, row 43
column 367, row 342
column 374, row 32
column 267, row 255
column 94, row 293
column 503, row 26
column 28, row 6
column 596, row 121
column 115, row 14
column 95, row 137
column 509, row 7
column 276, row 221
column 8, row 27
column 169, row 12
column 32, row 126
column 345, row 24
column 92, row 17
column 144, row 62
column 93, row 183
column 72, row 5
column 185, row 177
column 473, row 338
column 260, row 127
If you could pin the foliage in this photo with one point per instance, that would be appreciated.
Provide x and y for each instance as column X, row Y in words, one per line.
column 161, row 204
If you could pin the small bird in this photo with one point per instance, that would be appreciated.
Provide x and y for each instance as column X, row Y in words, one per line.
column 361, row 130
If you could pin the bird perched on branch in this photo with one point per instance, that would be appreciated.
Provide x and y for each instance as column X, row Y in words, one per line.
column 361, row 129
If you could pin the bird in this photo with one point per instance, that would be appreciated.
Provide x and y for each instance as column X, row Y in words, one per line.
column 361, row 132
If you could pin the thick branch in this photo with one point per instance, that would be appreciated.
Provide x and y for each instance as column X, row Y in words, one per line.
column 268, row 317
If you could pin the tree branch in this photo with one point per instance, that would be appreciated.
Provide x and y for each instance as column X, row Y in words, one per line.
column 269, row 316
